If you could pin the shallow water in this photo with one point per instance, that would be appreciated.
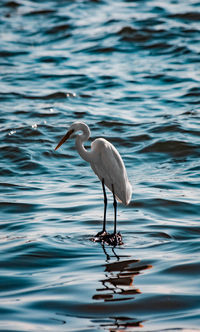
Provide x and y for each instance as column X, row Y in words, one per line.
column 130, row 70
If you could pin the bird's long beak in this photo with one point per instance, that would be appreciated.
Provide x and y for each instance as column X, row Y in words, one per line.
column 64, row 138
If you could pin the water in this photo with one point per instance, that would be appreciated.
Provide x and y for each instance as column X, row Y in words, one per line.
column 130, row 70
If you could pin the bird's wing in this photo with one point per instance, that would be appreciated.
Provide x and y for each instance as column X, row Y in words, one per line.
column 108, row 165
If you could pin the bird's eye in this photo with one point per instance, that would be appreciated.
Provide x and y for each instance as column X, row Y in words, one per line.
column 79, row 132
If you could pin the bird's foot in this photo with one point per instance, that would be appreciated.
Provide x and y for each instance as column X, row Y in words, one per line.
column 114, row 239
column 100, row 236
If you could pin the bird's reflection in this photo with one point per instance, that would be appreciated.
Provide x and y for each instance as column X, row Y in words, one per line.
column 118, row 285
column 118, row 324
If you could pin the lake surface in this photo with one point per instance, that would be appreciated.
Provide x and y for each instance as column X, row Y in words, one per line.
column 131, row 71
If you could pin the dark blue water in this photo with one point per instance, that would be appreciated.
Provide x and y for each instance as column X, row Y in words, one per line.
column 130, row 70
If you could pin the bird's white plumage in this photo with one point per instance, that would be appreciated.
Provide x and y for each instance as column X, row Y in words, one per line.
column 107, row 164
column 105, row 161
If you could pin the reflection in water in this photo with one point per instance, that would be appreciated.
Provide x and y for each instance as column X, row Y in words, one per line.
column 118, row 286
column 118, row 324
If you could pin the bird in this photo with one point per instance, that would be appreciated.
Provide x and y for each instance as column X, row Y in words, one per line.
column 109, row 167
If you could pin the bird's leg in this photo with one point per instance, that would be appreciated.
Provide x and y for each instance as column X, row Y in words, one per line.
column 115, row 210
column 105, row 206
column 103, row 234
column 115, row 238
column 104, row 237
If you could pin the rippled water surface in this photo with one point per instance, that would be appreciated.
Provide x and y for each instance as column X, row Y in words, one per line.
column 130, row 70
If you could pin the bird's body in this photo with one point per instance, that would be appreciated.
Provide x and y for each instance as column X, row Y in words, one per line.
column 106, row 163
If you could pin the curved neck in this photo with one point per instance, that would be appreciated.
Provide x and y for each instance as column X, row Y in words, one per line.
column 79, row 143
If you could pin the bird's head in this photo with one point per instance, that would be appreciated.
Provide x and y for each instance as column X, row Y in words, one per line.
column 74, row 128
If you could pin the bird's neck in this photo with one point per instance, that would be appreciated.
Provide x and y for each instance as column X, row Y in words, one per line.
column 80, row 147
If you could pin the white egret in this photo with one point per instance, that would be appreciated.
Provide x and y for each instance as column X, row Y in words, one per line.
column 108, row 165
